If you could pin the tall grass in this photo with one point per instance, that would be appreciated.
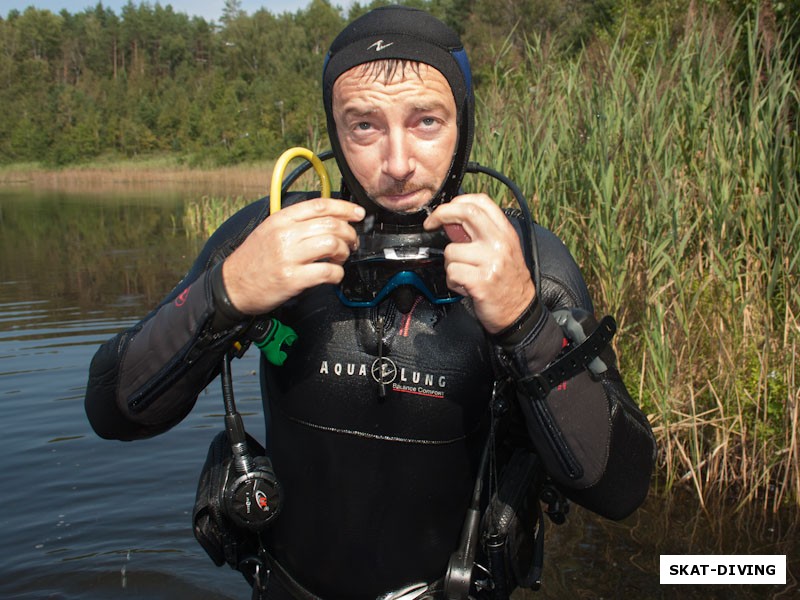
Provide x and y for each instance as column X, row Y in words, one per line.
column 202, row 217
column 671, row 169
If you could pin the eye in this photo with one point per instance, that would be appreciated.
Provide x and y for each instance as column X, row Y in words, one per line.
column 363, row 126
column 428, row 121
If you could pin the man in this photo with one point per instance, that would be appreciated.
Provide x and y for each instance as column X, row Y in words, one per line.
column 379, row 418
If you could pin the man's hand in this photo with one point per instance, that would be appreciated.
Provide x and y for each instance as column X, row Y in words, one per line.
column 299, row 247
column 485, row 259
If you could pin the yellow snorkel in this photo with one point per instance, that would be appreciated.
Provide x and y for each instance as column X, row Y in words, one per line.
column 273, row 336
column 280, row 167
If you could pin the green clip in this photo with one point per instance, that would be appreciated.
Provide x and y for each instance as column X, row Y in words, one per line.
column 272, row 345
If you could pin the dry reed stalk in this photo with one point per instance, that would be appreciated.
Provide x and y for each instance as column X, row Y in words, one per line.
column 677, row 443
column 251, row 181
column 794, row 443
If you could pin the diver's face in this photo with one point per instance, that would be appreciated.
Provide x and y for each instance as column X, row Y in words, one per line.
column 398, row 134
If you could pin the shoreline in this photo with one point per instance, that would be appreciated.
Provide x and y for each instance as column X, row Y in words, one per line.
column 250, row 180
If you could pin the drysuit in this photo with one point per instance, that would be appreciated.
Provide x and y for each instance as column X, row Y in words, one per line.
column 377, row 418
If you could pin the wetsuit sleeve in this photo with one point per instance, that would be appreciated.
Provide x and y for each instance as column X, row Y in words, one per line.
column 147, row 378
column 592, row 438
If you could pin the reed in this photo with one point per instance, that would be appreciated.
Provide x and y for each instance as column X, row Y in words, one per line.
column 104, row 176
column 202, row 217
column 670, row 168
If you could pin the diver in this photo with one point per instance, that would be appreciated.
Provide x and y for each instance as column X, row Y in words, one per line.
column 434, row 338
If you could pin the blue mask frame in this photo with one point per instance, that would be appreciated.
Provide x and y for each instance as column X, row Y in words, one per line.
column 399, row 279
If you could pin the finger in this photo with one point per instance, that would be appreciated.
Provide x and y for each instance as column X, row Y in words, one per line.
column 320, row 273
column 323, row 227
column 473, row 215
column 319, row 248
column 462, row 277
column 298, row 278
column 483, row 216
column 322, row 207
column 474, row 253
column 488, row 208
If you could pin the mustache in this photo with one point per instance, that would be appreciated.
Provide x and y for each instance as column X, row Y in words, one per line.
column 399, row 188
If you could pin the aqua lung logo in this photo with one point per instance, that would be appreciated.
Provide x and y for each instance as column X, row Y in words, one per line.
column 384, row 370
column 379, row 46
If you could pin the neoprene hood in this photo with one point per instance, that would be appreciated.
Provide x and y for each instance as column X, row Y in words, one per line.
column 400, row 32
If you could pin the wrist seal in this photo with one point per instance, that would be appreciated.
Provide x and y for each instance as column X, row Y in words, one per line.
column 226, row 315
column 521, row 327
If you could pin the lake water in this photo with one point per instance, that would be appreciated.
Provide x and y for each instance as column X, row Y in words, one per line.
column 93, row 519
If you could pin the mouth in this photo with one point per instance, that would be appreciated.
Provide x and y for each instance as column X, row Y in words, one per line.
column 406, row 201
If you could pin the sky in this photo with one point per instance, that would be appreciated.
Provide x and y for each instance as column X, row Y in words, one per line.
column 211, row 10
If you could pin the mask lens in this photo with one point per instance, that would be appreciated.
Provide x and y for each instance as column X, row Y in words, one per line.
column 369, row 279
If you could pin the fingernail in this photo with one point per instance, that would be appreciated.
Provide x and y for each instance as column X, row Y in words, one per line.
column 360, row 212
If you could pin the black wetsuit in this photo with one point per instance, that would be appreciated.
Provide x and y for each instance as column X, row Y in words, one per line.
column 377, row 419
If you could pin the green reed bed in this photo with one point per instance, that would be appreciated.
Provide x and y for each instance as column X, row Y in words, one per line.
column 670, row 168
column 202, row 217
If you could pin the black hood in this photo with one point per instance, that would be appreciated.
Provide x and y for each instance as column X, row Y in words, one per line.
column 399, row 32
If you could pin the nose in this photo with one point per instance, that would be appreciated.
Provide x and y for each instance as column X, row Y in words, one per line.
column 399, row 162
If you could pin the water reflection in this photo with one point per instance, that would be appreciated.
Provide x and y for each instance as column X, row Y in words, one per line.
column 94, row 254
column 78, row 510
column 589, row 557
column 91, row 519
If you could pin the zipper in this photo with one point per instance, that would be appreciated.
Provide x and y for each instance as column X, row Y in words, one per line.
column 547, row 425
column 381, row 384
column 562, row 451
column 174, row 370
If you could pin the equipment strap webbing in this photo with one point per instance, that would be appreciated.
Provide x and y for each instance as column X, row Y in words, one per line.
column 575, row 360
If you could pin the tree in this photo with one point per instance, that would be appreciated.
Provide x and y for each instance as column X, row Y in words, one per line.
column 40, row 34
column 232, row 11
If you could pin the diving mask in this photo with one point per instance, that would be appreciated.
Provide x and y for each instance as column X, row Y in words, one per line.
column 385, row 262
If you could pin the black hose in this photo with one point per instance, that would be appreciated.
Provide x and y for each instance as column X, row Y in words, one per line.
column 530, row 245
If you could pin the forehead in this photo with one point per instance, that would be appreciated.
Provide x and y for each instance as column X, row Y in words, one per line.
column 389, row 77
